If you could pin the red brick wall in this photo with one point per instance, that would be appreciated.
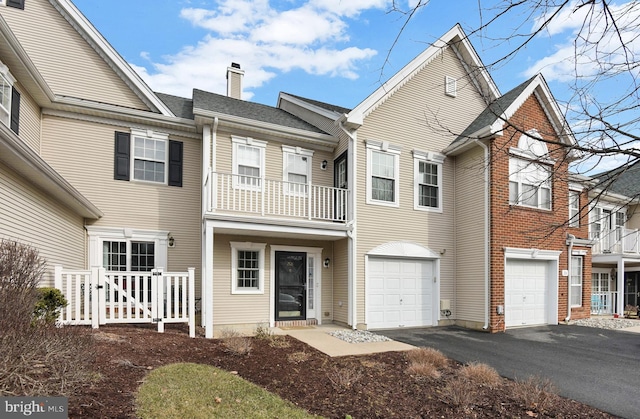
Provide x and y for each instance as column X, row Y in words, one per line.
column 522, row 227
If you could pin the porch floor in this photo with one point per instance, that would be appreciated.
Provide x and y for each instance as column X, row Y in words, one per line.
column 319, row 338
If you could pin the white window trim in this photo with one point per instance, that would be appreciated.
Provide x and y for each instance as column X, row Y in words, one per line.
column 298, row 151
column 450, row 86
column 261, row 145
column 385, row 147
column 431, row 158
column 581, row 277
column 574, row 219
column 548, row 181
column 159, row 136
column 5, row 114
column 260, row 248
column 98, row 235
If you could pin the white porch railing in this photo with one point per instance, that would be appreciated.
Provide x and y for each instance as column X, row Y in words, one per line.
column 97, row 297
column 618, row 240
column 604, row 302
column 277, row 198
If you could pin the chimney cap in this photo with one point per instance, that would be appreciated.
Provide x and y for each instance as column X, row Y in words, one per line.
column 235, row 65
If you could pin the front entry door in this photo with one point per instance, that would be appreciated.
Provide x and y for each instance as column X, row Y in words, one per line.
column 291, row 285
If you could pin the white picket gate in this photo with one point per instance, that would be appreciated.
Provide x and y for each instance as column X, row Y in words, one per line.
column 98, row 297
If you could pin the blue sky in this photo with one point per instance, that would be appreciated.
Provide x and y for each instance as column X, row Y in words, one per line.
column 328, row 50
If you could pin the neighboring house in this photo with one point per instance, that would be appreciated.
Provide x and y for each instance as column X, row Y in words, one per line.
column 461, row 209
column 96, row 170
column 613, row 225
column 436, row 200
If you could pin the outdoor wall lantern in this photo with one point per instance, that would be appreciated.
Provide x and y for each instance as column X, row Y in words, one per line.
column 327, row 261
column 172, row 241
column 324, row 164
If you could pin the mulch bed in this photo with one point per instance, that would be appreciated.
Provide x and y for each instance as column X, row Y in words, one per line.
column 371, row 386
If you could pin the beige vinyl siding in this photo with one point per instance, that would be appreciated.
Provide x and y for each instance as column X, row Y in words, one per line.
column 274, row 159
column 29, row 128
column 340, row 282
column 242, row 309
column 406, row 120
column 470, row 221
column 69, row 65
column 82, row 152
column 28, row 215
column 634, row 217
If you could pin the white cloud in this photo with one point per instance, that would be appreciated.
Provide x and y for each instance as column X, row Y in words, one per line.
column 590, row 45
column 311, row 36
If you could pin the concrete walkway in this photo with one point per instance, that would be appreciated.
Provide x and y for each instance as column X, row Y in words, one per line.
column 319, row 338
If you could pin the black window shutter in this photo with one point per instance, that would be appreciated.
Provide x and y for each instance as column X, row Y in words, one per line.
column 15, row 110
column 18, row 4
column 175, row 163
column 121, row 164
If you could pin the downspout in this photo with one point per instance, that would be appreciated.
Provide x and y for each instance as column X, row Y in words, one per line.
column 486, row 233
column 351, row 234
column 570, row 238
column 208, row 167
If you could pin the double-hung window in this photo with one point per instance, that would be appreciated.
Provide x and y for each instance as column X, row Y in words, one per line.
column 529, row 183
column 574, row 209
column 428, row 180
column 148, row 156
column 248, row 163
column 576, row 281
column 382, row 173
column 247, row 268
column 296, row 169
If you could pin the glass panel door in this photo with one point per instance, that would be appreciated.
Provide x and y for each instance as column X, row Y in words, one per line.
column 291, row 284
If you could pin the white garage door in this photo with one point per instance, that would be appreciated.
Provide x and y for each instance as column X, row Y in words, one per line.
column 400, row 293
column 526, row 283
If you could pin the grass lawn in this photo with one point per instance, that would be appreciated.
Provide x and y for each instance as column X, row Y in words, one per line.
column 189, row 390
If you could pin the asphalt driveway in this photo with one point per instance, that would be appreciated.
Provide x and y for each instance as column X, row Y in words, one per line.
column 595, row 366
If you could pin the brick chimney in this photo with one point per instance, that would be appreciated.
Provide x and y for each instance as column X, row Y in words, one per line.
column 234, row 81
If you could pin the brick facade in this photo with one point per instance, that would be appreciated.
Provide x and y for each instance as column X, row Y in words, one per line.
column 516, row 226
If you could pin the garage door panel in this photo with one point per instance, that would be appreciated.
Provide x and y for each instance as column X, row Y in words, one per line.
column 526, row 297
column 399, row 293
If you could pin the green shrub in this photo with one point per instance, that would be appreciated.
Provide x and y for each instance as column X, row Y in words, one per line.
column 50, row 302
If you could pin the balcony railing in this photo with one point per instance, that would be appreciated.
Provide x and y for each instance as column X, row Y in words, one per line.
column 618, row 240
column 275, row 198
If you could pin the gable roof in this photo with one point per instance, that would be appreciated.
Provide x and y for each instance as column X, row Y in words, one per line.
column 492, row 120
column 624, row 180
column 326, row 106
column 213, row 104
column 454, row 38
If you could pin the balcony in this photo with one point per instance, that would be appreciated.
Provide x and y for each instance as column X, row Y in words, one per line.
column 246, row 195
column 618, row 240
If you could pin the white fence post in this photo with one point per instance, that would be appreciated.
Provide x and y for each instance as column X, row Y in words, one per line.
column 192, row 303
column 57, row 283
column 158, row 298
column 100, row 300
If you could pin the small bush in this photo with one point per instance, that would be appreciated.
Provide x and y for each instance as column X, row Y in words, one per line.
column 535, row 393
column 279, row 341
column 461, row 393
column 235, row 343
column 424, row 370
column 343, row 379
column 263, row 331
column 36, row 358
column 50, row 302
column 298, row 357
column 427, row 356
column 480, row 375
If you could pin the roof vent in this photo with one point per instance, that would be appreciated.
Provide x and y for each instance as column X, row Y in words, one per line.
column 234, row 81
